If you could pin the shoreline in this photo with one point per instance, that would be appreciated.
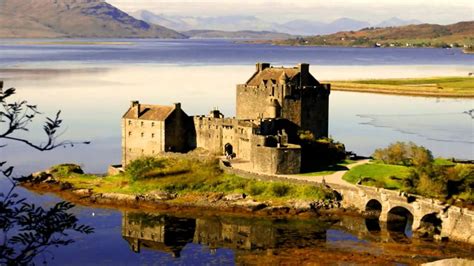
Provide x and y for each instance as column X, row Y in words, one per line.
column 398, row 93
column 194, row 203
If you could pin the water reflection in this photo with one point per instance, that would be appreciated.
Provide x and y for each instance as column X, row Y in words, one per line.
column 171, row 234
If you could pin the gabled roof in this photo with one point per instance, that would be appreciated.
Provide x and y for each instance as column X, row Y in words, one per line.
column 273, row 74
column 149, row 112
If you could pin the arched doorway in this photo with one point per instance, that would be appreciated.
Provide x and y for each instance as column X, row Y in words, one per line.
column 373, row 209
column 430, row 225
column 228, row 150
column 399, row 223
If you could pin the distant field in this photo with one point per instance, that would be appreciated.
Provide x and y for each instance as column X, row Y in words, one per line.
column 435, row 86
column 75, row 43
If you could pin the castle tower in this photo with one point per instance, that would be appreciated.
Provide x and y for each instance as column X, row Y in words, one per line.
column 289, row 93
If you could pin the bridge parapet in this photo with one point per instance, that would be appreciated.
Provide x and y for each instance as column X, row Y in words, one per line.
column 457, row 223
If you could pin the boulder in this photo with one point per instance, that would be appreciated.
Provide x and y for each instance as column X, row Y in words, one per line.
column 83, row 192
column 235, row 196
column 158, row 195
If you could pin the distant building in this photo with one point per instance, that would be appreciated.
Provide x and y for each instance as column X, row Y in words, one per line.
column 273, row 107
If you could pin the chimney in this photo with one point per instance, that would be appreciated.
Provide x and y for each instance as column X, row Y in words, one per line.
column 304, row 70
column 177, row 106
column 137, row 105
column 1, row 84
column 262, row 66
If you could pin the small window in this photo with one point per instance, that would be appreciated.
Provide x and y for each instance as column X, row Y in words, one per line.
column 130, row 149
column 129, row 133
column 129, row 122
column 152, row 135
column 143, row 123
column 143, row 134
column 153, row 151
column 152, row 124
column 143, row 150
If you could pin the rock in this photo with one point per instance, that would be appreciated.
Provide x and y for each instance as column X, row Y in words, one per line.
column 213, row 197
column 250, row 205
column 84, row 192
column 159, row 195
column 116, row 197
column 65, row 186
column 450, row 262
column 39, row 177
column 235, row 196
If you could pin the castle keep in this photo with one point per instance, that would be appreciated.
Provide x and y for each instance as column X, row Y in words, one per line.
column 273, row 107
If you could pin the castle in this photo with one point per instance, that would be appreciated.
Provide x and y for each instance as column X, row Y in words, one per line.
column 273, row 107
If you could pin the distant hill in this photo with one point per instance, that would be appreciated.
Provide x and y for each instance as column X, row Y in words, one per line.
column 73, row 18
column 423, row 35
column 247, row 34
column 245, row 23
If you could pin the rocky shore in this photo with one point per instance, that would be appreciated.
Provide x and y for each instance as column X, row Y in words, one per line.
column 45, row 182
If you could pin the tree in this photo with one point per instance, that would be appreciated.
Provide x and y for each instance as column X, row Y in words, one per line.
column 26, row 229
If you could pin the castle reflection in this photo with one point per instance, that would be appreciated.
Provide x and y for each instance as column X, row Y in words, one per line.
column 170, row 234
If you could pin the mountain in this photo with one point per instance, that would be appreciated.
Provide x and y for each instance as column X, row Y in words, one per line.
column 423, row 35
column 395, row 22
column 246, row 23
column 73, row 18
column 219, row 23
column 210, row 34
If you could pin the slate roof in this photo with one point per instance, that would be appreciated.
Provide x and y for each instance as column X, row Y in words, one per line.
column 274, row 75
column 150, row 112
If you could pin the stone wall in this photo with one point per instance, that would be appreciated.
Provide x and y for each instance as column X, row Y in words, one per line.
column 141, row 138
column 276, row 160
column 251, row 101
column 177, row 131
column 315, row 110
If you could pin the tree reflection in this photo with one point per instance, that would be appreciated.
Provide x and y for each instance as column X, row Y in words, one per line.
column 28, row 230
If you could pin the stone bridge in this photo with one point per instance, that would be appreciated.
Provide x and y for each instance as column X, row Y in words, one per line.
column 454, row 222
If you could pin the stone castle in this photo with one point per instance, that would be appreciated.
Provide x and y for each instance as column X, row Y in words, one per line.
column 273, row 107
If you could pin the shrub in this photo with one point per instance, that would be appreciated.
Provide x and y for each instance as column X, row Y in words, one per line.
column 403, row 153
column 140, row 168
column 66, row 170
column 280, row 189
column 255, row 189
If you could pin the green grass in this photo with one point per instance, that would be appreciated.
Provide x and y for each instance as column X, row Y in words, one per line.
column 444, row 86
column 201, row 176
column 443, row 162
column 377, row 174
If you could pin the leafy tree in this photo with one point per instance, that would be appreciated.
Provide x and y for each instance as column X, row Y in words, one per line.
column 28, row 230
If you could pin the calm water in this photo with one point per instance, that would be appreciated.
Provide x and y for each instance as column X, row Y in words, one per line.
column 93, row 86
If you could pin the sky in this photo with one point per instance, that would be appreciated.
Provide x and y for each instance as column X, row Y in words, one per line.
column 373, row 11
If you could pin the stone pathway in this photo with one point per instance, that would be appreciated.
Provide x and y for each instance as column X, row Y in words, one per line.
column 334, row 178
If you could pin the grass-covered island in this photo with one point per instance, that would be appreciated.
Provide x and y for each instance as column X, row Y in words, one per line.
column 412, row 168
column 435, row 86
column 182, row 181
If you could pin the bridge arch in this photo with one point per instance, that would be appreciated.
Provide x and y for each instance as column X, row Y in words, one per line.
column 373, row 209
column 399, row 223
column 430, row 225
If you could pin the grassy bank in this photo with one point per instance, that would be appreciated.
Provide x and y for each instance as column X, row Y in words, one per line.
column 379, row 175
column 436, row 86
column 188, row 176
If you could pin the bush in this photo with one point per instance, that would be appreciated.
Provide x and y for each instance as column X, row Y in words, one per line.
column 66, row 170
column 403, row 153
column 280, row 189
column 256, row 189
column 140, row 168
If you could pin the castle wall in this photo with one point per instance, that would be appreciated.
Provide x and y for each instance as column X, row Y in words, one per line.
column 291, row 110
column 273, row 160
column 141, row 138
column 176, row 133
column 251, row 101
column 315, row 111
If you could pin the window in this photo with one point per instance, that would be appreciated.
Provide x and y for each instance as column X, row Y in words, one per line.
column 143, row 134
column 129, row 133
column 129, row 122
column 152, row 135
column 142, row 123
column 152, row 124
